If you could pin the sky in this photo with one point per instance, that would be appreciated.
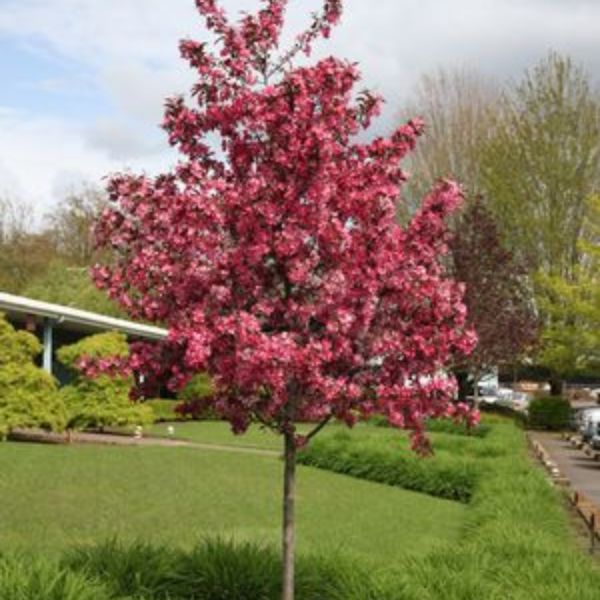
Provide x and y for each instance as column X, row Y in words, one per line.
column 83, row 82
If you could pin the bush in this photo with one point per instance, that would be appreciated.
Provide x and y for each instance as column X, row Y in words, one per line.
column 549, row 412
column 28, row 395
column 378, row 460
column 196, row 399
column 163, row 410
column 200, row 386
column 104, row 400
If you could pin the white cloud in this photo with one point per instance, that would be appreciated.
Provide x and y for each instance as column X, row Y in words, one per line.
column 129, row 50
column 40, row 158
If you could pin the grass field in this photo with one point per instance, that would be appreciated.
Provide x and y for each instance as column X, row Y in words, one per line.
column 219, row 433
column 512, row 540
column 54, row 497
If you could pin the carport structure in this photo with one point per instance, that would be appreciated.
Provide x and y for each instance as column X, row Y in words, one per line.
column 57, row 325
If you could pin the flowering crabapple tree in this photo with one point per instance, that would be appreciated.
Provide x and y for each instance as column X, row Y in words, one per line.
column 276, row 260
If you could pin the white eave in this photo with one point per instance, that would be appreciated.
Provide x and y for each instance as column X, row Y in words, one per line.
column 81, row 320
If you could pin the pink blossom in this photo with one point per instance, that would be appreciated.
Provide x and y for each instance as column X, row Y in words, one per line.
column 278, row 265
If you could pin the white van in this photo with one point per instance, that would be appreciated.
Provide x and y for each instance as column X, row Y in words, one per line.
column 589, row 419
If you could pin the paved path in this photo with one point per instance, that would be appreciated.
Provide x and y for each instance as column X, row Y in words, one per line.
column 582, row 471
column 81, row 437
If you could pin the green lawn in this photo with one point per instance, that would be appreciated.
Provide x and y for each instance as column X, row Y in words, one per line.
column 57, row 496
column 219, row 433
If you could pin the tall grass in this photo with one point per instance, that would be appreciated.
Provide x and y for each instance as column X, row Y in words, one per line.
column 218, row 569
column 24, row 577
column 517, row 544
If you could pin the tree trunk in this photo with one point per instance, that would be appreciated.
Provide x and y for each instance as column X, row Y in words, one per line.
column 557, row 387
column 476, row 391
column 289, row 492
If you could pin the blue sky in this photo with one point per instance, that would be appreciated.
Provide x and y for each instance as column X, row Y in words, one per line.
column 84, row 80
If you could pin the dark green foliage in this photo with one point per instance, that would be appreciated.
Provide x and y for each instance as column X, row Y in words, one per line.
column 393, row 465
column 28, row 395
column 27, row 578
column 163, row 410
column 549, row 412
column 199, row 387
column 195, row 399
column 104, row 400
column 218, row 569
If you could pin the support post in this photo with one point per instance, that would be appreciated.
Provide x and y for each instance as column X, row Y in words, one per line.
column 48, row 341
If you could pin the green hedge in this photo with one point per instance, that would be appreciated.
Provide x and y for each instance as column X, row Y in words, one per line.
column 378, row 460
column 549, row 412
column 442, row 426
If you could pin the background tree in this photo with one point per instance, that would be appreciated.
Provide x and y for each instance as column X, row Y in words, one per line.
column 69, row 285
column 458, row 108
column 24, row 253
column 28, row 395
column 543, row 163
column 278, row 265
column 498, row 293
column 571, row 339
column 101, row 400
column 548, row 138
column 70, row 225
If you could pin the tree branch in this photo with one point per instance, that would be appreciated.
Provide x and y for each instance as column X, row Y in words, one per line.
column 318, row 428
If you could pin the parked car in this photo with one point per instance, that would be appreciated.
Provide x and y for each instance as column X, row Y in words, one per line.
column 588, row 420
column 595, row 441
column 520, row 401
column 496, row 395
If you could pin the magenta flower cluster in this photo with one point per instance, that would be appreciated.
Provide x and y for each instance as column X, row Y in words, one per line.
column 272, row 251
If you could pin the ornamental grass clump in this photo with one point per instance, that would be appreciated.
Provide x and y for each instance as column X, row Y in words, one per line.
column 23, row 577
column 278, row 264
column 220, row 569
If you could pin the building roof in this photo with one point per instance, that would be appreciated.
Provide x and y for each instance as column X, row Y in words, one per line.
column 19, row 308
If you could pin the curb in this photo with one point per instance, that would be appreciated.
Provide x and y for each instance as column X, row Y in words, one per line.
column 587, row 510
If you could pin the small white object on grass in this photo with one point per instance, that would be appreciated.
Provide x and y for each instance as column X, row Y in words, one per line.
column 138, row 432
column 171, row 430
